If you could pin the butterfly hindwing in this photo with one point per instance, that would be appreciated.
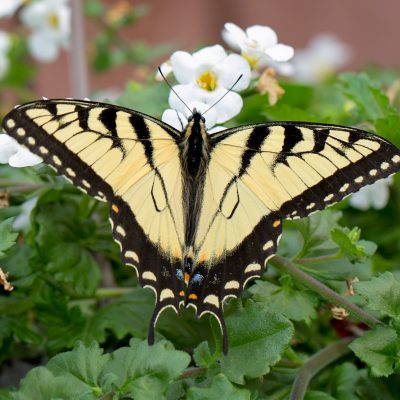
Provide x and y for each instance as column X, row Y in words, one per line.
column 131, row 161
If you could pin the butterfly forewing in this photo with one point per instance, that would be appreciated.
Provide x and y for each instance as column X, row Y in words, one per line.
column 125, row 158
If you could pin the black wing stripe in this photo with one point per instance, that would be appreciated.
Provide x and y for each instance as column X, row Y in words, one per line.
column 143, row 133
column 253, row 146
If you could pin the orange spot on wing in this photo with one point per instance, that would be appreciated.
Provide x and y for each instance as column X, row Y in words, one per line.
column 115, row 208
column 192, row 296
column 202, row 257
column 181, row 293
column 276, row 223
column 187, row 277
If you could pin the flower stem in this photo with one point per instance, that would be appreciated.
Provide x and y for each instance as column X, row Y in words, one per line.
column 287, row 266
column 315, row 364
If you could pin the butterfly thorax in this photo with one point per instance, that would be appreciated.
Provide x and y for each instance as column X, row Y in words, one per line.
column 195, row 152
column 194, row 157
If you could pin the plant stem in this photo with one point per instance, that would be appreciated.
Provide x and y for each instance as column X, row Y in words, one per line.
column 287, row 266
column 315, row 364
column 192, row 372
column 313, row 260
column 105, row 293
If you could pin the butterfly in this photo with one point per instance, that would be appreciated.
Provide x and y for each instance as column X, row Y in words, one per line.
column 196, row 214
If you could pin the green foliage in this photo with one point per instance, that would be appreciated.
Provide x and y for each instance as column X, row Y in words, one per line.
column 7, row 236
column 379, row 348
column 138, row 371
column 257, row 331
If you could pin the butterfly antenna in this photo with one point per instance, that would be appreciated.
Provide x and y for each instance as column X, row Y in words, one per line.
column 229, row 90
column 176, row 94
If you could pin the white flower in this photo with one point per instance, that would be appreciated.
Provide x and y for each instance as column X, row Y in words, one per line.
column 179, row 120
column 23, row 219
column 5, row 44
column 372, row 196
column 258, row 44
column 324, row 55
column 8, row 7
column 11, row 152
column 50, row 24
column 199, row 99
column 206, row 76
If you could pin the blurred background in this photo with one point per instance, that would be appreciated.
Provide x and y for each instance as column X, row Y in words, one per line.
column 370, row 30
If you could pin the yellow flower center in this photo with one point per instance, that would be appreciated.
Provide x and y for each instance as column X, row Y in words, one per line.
column 53, row 20
column 250, row 59
column 207, row 81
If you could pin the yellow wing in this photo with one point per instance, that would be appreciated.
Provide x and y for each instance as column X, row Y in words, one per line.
column 258, row 175
column 128, row 159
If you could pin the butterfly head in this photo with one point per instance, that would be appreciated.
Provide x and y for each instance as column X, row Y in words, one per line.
column 196, row 117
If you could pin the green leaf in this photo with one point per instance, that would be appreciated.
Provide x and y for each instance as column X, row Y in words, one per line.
column 62, row 234
column 85, row 373
column 297, row 95
column 344, row 381
column 7, row 236
column 93, row 8
column 258, row 331
column 379, row 349
column 220, row 388
column 150, row 99
column 71, row 375
column 317, row 395
column 284, row 112
column 297, row 305
column 84, row 363
column 370, row 100
column 128, row 315
column 202, row 355
column 144, row 371
column 41, row 384
column 315, row 231
column 382, row 294
column 350, row 245
column 389, row 127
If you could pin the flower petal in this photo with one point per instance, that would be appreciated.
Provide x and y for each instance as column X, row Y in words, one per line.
column 230, row 69
column 375, row 195
column 233, row 35
column 264, row 36
column 217, row 128
column 209, row 56
column 8, row 147
column 227, row 108
column 42, row 46
column 174, row 118
column 280, row 52
column 183, row 66
column 8, row 7
column 24, row 158
column 188, row 93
